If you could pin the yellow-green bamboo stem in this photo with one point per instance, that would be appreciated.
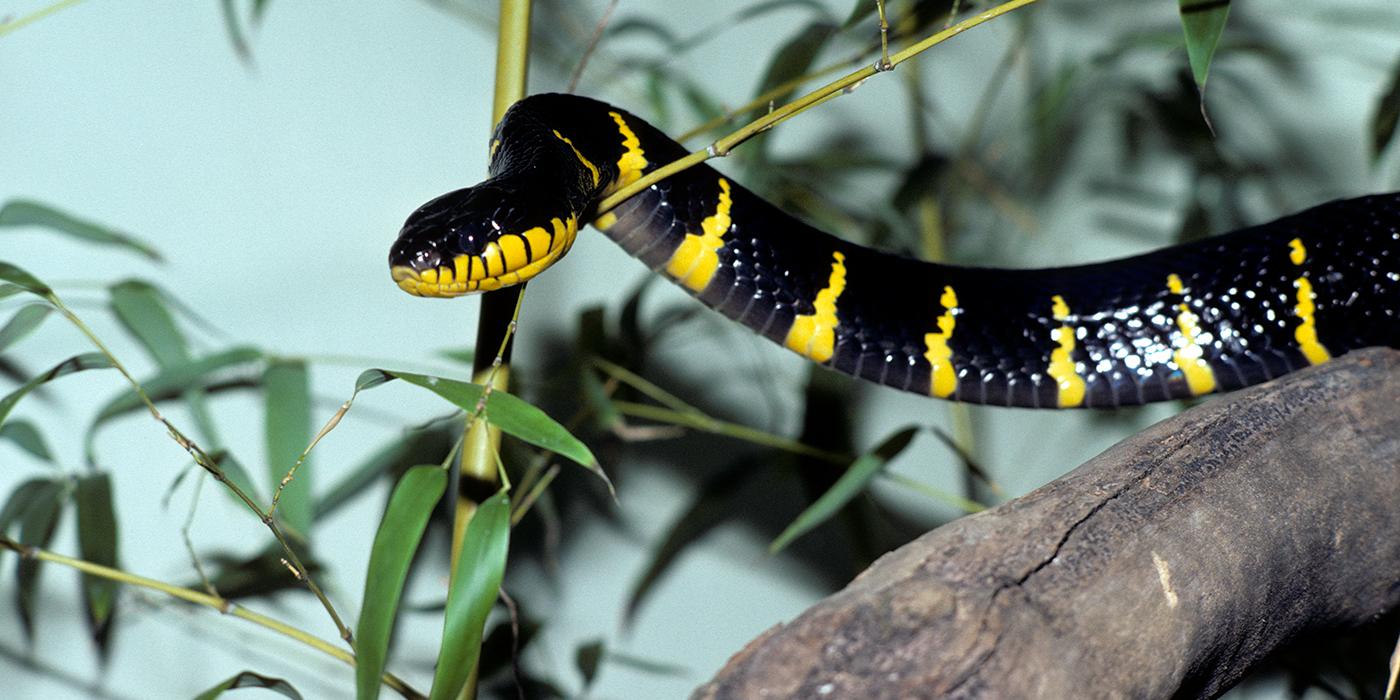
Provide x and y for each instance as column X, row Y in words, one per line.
column 188, row 595
column 844, row 84
column 35, row 16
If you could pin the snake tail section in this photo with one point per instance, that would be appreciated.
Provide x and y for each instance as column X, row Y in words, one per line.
column 1212, row 315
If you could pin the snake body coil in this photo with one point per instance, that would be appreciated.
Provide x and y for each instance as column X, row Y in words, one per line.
column 1213, row 315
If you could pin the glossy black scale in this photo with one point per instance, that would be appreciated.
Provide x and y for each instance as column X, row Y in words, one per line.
column 1241, row 289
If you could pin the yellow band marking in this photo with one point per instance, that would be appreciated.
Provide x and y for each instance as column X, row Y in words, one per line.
column 592, row 169
column 1189, row 356
column 633, row 159
column 1062, row 367
column 605, row 221
column 1306, row 332
column 942, row 379
column 496, row 267
column 697, row 257
column 814, row 334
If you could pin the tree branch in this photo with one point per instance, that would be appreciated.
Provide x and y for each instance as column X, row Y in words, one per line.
column 1166, row 566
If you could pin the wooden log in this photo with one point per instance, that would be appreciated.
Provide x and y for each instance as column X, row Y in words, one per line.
column 1167, row 566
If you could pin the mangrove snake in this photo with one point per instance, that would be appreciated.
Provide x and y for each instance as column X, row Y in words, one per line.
column 1213, row 315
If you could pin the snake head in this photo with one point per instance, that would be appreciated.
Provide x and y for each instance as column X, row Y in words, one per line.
column 474, row 239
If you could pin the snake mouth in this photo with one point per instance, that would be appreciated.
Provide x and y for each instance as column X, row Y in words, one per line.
column 509, row 260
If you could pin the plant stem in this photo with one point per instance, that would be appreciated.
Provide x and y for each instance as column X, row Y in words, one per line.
column 208, row 463
column 36, row 15
column 831, row 90
column 188, row 595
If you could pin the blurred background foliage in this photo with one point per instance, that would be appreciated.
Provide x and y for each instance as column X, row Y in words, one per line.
column 1070, row 131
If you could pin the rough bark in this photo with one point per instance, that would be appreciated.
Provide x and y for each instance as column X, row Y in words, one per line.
column 1166, row 566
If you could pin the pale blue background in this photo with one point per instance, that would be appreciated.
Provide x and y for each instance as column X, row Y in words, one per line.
column 274, row 192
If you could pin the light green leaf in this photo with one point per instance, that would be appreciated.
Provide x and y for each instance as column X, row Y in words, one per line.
column 856, row 478
column 476, row 582
column 174, row 381
column 248, row 679
column 287, row 390
column 512, row 415
column 77, row 363
column 1203, row 21
column 27, row 438
column 23, row 323
column 141, row 309
column 20, row 212
column 18, row 277
column 97, row 541
column 394, row 544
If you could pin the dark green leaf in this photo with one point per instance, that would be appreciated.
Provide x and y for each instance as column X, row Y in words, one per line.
column 36, row 528
column 287, row 389
column 512, row 415
column 24, row 496
column 23, row 323
column 476, row 581
column 1387, row 116
column 97, row 541
column 235, row 31
column 27, row 437
column 18, row 277
column 19, row 212
column 588, row 658
column 1202, row 21
column 77, row 363
column 264, row 573
column 141, row 309
column 394, row 544
column 856, row 478
column 248, row 679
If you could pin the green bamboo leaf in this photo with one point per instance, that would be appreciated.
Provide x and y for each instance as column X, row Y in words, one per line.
column 18, row 277
column 97, row 541
column 856, row 478
column 27, row 437
column 476, row 582
column 141, row 309
column 8, row 290
column 394, row 544
column 288, row 430
column 23, row 323
column 1387, row 116
column 77, row 363
column 20, row 212
column 24, row 495
column 512, row 415
column 1202, row 21
column 174, row 381
column 36, row 528
column 248, row 679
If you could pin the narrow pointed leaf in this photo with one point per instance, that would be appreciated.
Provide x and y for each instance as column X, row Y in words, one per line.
column 77, row 363
column 587, row 659
column 36, row 527
column 856, row 478
column 24, row 495
column 248, row 679
column 416, row 447
column 512, row 415
column 175, row 381
column 1202, row 21
column 394, row 544
column 287, row 390
column 792, row 60
column 1387, row 116
column 141, row 309
column 97, row 541
column 27, row 437
column 18, row 277
column 475, row 584
column 22, row 324
column 19, row 212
